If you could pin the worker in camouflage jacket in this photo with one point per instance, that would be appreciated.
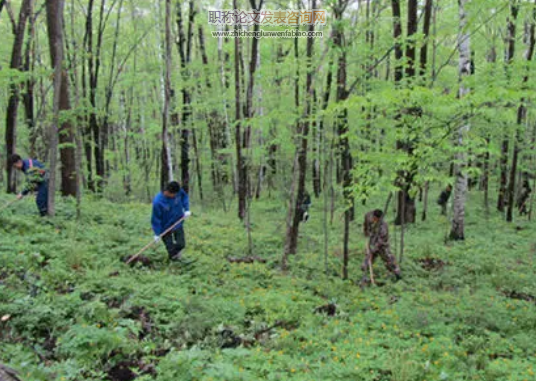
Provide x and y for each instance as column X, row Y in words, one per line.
column 523, row 198
column 36, row 181
column 377, row 230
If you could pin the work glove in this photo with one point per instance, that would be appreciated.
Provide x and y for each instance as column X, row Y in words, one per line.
column 156, row 238
column 187, row 214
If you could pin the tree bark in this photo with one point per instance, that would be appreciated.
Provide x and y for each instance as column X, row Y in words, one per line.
column 346, row 162
column 184, row 45
column 300, row 172
column 397, row 34
column 413, row 22
column 166, row 168
column 460, row 187
column 428, row 10
column 238, row 128
column 521, row 119
column 509, row 57
column 54, row 9
column 13, row 102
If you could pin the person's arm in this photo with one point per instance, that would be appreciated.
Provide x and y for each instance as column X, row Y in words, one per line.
column 33, row 178
column 185, row 199
column 156, row 219
column 366, row 226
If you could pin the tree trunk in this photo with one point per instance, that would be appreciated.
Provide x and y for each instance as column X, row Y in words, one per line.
column 521, row 119
column 166, row 169
column 460, row 187
column 428, row 9
column 28, row 96
column 54, row 10
column 346, row 162
column 509, row 57
column 397, row 34
column 413, row 22
column 425, row 201
column 321, row 131
column 184, row 44
column 13, row 102
column 240, row 160
column 301, row 152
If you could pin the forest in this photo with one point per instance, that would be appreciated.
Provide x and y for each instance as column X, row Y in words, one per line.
column 267, row 190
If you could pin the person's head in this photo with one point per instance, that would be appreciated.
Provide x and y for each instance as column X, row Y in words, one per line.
column 16, row 161
column 376, row 215
column 172, row 189
column 449, row 188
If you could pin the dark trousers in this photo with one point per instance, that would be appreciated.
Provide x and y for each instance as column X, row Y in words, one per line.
column 175, row 242
column 42, row 198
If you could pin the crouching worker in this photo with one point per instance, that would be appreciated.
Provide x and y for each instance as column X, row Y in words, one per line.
column 377, row 230
column 36, row 181
column 169, row 207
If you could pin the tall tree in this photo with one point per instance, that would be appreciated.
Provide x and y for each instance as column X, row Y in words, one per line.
column 54, row 10
column 295, row 214
column 166, row 166
column 413, row 23
column 342, row 94
column 505, row 147
column 521, row 119
column 16, row 63
column 464, row 70
column 397, row 35
column 240, row 160
column 428, row 10
column 184, row 45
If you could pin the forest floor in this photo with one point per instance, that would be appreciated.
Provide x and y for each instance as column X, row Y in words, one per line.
column 72, row 310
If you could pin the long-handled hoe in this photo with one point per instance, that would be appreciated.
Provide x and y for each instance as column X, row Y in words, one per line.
column 154, row 242
column 8, row 204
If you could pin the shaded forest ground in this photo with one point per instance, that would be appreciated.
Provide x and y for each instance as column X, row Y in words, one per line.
column 71, row 310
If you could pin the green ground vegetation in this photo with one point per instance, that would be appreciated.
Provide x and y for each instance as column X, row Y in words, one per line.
column 71, row 310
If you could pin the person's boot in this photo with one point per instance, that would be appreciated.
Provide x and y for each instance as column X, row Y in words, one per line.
column 177, row 257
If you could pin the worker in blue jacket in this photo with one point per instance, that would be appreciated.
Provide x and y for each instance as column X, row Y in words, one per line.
column 36, row 181
column 169, row 207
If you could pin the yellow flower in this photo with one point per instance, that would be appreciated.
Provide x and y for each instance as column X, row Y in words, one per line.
column 358, row 355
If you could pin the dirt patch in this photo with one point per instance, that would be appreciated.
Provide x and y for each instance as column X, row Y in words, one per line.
column 519, row 296
column 432, row 264
column 248, row 259
column 141, row 259
column 131, row 369
column 140, row 314
column 122, row 371
column 328, row 309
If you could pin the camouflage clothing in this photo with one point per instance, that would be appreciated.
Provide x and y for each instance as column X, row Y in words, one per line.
column 523, row 198
column 379, row 246
column 368, row 223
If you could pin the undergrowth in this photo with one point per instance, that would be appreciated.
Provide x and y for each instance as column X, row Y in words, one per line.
column 73, row 310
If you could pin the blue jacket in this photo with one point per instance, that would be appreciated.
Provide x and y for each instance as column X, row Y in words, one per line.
column 35, row 175
column 167, row 211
